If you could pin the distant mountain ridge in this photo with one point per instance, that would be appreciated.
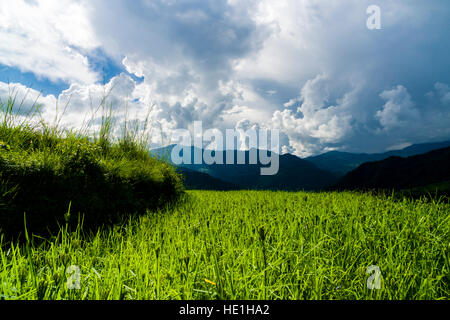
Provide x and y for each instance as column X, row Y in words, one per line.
column 311, row 174
column 340, row 163
column 294, row 173
column 400, row 173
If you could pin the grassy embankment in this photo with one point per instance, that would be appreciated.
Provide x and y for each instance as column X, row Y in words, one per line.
column 51, row 177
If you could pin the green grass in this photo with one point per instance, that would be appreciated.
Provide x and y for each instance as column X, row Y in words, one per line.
column 102, row 177
column 246, row 245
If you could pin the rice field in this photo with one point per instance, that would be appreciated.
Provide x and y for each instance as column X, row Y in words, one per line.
column 245, row 245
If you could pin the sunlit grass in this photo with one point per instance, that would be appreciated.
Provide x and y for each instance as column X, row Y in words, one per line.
column 246, row 245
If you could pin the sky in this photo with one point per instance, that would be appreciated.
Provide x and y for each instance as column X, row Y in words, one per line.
column 310, row 68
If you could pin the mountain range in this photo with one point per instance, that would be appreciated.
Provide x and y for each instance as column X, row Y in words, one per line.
column 398, row 173
column 407, row 168
column 340, row 163
column 294, row 173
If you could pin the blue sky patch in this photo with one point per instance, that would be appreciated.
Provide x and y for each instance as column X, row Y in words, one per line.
column 99, row 62
column 29, row 79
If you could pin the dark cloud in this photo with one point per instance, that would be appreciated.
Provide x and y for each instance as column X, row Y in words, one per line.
column 210, row 34
column 311, row 68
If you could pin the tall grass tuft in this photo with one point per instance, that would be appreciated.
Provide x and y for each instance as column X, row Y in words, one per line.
column 103, row 177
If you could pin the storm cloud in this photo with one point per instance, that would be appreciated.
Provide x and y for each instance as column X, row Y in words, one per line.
column 309, row 68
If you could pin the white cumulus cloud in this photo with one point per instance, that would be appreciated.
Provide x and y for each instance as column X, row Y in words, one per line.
column 47, row 38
